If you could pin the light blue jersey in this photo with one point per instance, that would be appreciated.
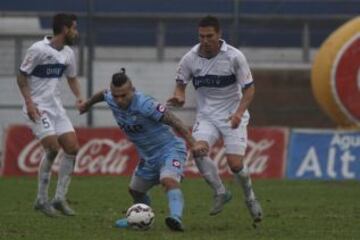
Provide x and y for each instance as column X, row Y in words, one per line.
column 156, row 144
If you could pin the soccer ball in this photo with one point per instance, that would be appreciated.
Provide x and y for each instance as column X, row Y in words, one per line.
column 140, row 216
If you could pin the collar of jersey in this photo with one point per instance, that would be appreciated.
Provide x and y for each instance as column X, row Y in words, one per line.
column 47, row 42
column 223, row 47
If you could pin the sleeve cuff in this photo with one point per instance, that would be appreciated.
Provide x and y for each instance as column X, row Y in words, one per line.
column 180, row 81
column 23, row 72
column 248, row 85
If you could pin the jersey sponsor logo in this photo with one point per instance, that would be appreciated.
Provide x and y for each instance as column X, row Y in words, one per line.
column 176, row 163
column 50, row 57
column 136, row 128
column 49, row 70
column 160, row 108
column 213, row 81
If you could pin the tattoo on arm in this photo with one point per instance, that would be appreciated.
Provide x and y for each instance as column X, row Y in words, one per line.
column 98, row 97
column 170, row 119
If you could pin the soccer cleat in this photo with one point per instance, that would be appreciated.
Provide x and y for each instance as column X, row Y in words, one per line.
column 255, row 209
column 63, row 207
column 122, row 223
column 174, row 223
column 219, row 202
column 45, row 207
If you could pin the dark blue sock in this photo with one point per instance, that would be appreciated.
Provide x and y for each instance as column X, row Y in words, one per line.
column 144, row 199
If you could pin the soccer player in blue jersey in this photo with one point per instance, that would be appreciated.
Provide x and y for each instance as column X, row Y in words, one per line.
column 162, row 155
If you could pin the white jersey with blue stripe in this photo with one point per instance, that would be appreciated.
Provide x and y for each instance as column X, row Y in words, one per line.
column 44, row 66
column 141, row 123
column 218, row 81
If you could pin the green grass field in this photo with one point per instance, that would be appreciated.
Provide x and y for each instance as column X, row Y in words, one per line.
column 293, row 210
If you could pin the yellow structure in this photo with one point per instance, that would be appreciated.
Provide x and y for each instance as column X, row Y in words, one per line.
column 338, row 90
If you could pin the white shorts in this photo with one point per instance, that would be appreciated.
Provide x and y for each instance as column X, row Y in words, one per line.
column 210, row 130
column 50, row 123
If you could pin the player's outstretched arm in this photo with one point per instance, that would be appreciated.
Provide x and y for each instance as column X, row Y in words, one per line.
column 31, row 109
column 170, row 119
column 178, row 99
column 74, row 85
column 85, row 106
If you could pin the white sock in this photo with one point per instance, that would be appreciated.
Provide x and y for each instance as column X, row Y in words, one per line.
column 44, row 176
column 210, row 173
column 243, row 178
column 64, row 176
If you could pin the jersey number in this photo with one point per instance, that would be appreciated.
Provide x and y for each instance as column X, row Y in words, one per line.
column 45, row 122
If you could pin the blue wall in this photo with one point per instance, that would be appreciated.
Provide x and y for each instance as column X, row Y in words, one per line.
column 132, row 33
column 221, row 6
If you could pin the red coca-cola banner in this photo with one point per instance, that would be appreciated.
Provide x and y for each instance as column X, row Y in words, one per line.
column 107, row 151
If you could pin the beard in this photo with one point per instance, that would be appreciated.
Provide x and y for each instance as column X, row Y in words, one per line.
column 71, row 40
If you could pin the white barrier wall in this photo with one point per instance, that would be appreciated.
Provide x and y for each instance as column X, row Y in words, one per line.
column 156, row 79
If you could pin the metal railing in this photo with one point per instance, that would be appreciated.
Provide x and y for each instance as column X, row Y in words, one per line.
column 303, row 21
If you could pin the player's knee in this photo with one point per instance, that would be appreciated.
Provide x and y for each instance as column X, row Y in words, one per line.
column 235, row 162
column 235, row 169
column 204, row 143
column 169, row 183
column 72, row 150
column 235, row 166
column 51, row 154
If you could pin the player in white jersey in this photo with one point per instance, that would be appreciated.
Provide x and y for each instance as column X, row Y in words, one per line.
column 44, row 64
column 224, row 89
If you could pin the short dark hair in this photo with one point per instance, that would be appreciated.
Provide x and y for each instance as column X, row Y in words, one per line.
column 119, row 78
column 61, row 20
column 210, row 21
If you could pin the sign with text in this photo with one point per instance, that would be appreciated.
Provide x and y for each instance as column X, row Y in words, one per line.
column 104, row 151
column 324, row 154
column 107, row 151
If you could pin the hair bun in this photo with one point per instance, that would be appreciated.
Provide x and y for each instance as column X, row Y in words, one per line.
column 122, row 70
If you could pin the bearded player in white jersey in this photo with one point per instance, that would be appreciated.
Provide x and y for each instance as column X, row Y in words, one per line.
column 224, row 89
column 44, row 64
